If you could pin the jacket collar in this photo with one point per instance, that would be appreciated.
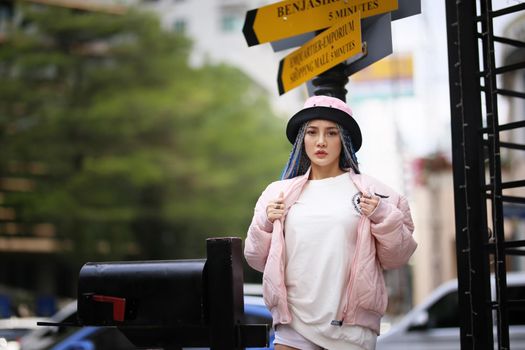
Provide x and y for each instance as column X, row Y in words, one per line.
column 295, row 188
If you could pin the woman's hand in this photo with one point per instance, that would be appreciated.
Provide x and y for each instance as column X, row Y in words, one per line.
column 275, row 208
column 368, row 204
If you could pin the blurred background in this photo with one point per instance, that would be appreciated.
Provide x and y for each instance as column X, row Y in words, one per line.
column 134, row 130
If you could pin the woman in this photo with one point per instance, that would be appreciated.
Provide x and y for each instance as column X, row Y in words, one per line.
column 323, row 235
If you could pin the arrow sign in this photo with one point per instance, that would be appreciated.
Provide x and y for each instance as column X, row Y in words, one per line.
column 326, row 50
column 405, row 8
column 292, row 17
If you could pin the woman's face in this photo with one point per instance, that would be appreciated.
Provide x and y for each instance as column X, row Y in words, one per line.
column 322, row 143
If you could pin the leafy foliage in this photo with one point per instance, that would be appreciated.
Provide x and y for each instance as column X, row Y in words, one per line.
column 140, row 155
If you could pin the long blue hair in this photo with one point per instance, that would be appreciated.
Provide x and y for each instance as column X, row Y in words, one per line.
column 298, row 162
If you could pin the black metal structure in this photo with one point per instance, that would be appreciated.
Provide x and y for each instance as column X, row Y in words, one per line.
column 476, row 86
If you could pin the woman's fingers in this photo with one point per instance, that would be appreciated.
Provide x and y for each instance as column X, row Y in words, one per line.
column 275, row 214
column 368, row 204
column 275, row 208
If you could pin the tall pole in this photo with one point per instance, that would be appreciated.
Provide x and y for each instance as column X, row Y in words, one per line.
column 332, row 82
column 469, row 177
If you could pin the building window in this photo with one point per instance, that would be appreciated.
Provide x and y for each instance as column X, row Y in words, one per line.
column 179, row 26
column 231, row 23
column 6, row 15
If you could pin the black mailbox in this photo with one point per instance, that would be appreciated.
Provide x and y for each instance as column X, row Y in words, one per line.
column 143, row 293
column 172, row 304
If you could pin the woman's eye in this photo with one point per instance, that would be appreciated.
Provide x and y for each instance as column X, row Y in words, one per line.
column 310, row 132
column 333, row 133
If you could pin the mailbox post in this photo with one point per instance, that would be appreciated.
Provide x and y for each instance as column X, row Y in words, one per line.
column 225, row 292
column 172, row 304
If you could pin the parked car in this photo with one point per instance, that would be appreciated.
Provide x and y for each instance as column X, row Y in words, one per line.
column 107, row 338
column 14, row 328
column 434, row 324
column 43, row 337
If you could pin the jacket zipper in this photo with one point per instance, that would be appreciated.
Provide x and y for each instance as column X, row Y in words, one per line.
column 341, row 313
column 281, row 268
column 283, row 261
column 352, row 267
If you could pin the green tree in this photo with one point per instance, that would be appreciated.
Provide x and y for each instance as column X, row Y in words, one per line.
column 141, row 156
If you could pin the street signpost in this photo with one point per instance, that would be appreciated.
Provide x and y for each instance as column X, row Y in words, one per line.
column 349, row 34
column 326, row 50
column 292, row 17
column 406, row 8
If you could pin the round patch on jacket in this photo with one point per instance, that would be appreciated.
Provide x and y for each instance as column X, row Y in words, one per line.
column 356, row 199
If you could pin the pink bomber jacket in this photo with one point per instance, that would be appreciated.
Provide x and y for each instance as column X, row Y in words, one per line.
column 384, row 241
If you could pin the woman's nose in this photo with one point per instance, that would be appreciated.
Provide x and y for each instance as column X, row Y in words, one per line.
column 321, row 141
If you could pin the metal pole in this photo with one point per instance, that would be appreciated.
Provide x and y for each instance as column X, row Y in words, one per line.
column 332, row 82
column 468, row 174
column 491, row 102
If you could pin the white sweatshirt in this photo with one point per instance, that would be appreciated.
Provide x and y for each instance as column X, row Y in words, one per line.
column 318, row 249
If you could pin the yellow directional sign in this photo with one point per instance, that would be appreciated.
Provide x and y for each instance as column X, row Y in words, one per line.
column 293, row 17
column 333, row 46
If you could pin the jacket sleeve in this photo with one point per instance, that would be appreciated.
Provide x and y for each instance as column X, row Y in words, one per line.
column 258, row 239
column 392, row 227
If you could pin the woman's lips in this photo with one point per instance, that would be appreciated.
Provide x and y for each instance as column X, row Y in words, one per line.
column 321, row 154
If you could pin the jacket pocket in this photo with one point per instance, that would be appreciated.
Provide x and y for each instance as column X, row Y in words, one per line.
column 371, row 290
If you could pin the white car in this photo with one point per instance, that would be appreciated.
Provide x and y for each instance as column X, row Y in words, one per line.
column 12, row 329
column 434, row 324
